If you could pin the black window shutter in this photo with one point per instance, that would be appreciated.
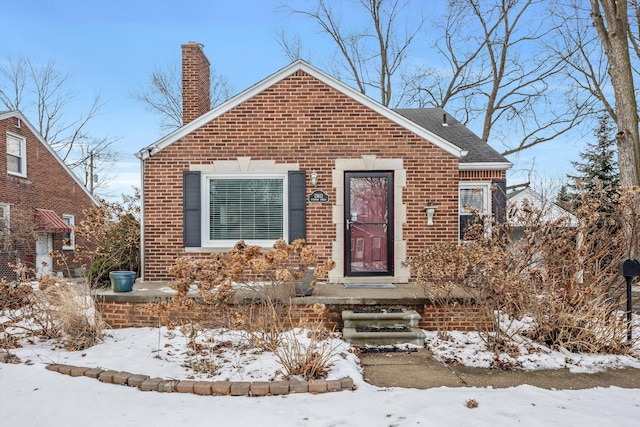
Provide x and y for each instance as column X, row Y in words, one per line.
column 297, row 205
column 191, row 209
column 499, row 199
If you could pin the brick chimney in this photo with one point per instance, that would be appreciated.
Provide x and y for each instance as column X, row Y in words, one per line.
column 196, row 99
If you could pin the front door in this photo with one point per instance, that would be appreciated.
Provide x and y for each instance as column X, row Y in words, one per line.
column 44, row 247
column 368, row 222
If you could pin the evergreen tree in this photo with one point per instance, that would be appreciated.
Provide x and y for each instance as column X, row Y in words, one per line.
column 597, row 173
column 565, row 199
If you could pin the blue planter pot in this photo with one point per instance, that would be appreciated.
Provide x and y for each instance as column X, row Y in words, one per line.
column 122, row 281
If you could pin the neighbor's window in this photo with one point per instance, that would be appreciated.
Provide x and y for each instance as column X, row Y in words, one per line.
column 16, row 155
column 68, row 239
column 473, row 198
column 249, row 208
column 4, row 219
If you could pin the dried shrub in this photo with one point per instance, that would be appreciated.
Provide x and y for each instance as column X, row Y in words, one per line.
column 264, row 281
column 306, row 350
column 107, row 239
column 55, row 310
column 565, row 278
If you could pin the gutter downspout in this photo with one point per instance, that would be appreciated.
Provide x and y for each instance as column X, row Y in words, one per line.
column 142, row 272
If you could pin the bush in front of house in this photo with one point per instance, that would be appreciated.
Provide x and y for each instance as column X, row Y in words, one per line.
column 53, row 310
column 261, row 284
column 556, row 285
column 108, row 239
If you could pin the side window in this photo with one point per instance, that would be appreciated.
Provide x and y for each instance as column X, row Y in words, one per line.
column 473, row 197
column 16, row 155
column 4, row 220
column 68, row 239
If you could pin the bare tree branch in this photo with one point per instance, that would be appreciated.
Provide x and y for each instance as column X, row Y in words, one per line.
column 163, row 94
column 43, row 91
column 371, row 56
column 500, row 71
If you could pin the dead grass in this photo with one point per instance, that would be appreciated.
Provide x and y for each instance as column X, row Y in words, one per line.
column 55, row 310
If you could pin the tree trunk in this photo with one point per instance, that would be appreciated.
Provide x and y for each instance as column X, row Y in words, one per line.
column 613, row 30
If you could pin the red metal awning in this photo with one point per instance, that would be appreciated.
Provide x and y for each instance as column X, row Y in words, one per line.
column 48, row 221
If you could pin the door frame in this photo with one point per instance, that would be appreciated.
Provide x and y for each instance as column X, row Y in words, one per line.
column 390, row 220
column 43, row 238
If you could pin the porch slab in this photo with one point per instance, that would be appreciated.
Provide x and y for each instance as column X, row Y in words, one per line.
column 324, row 293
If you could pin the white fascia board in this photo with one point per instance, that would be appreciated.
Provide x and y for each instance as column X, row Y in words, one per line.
column 300, row 65
column 21, row 116
column 484, row 166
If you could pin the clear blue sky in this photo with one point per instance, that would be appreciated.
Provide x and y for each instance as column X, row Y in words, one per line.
column 111, row 46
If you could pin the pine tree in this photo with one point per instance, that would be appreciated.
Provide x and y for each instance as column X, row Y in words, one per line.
column 565, row 199
column 597, row 173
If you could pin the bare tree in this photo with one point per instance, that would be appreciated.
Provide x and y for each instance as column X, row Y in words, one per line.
column 292, row 46
column 372, row 55
column 162, row 94
column 42, row 91
column 611, row 21
column 498, row 70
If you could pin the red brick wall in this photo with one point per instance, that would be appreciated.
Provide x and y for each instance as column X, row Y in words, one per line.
column 47, row 185
column 434, row 317
column 128, row 315
column 300, row 120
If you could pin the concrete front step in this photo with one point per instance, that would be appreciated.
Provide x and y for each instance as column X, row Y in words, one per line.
column 382, row 327
column 413, row 336
column 384, row 318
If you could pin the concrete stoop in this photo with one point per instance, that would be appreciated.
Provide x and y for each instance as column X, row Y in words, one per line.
column 205, row 388
column 382, row 327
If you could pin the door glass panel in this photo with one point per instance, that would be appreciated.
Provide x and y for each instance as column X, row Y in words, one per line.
column 368, row 224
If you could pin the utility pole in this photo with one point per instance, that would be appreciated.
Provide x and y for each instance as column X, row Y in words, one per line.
column 91, row 171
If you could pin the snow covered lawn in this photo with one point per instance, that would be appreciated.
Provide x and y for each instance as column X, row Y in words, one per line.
column 30, row 395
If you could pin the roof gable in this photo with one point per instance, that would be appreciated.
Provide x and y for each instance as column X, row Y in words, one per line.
column 294, row 67
column 550, row 210
column 19, row 115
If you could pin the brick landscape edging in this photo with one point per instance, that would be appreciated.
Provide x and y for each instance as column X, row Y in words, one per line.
column 205, row 388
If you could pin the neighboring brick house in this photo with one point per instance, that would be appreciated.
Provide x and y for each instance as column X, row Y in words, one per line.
column 302, row 155
column 40, row 198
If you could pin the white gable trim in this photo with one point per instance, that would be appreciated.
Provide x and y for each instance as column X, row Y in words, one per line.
column 281, row 75
column 20, row 116
column 484, row 166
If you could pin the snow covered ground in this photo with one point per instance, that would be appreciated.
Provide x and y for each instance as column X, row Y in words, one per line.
column 30, row 395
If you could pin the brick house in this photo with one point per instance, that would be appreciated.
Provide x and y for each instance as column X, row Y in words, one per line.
column 40, row 198
column 302, row 155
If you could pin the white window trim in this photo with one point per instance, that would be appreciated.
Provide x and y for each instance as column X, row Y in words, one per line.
column 205, row 204
column 72, row 238
column 23, row 158
column 472, row 185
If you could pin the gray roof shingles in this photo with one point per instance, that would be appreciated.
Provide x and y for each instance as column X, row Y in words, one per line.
column 456, row 133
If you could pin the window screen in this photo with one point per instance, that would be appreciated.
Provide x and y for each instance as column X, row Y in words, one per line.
column 472, row 200
column 249, row 209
